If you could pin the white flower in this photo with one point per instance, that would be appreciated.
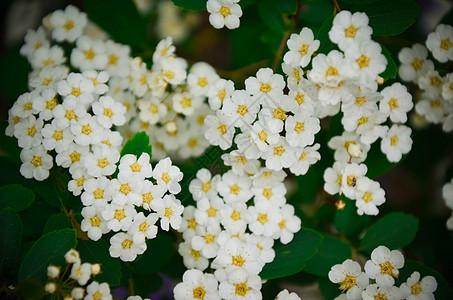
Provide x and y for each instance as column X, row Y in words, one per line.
column 285, row 295
column 151, row 110
column 267, row 86
column 220, row 90
column 123, row 246
column 139, row 168
column 28, row 132
column 171, row 214
column 396, row 142
column 236, row 254
column 23, row 107
column 234, row 217
column 81, row 272
column 352, row 173
column 301, row 47
column 262, row 137
column 333, row 178
column 143, row 227
column 208, row 211
column 218, row 131
column 200, row 78
column 294, row 74
column 76, row 88
column 268, row 177
column 77, row 293
column 36, row 163
column 233, row 187
column 431, row 83
column 93, row 223
column 79, row 175
column 205, row 240
column 33, row 40
column 47, row 77
column 204, row 185
column 278, row 156
column 433, row 108
column 72, row 256
column 186, row 103
column 118, row 217
column 117, row 59
column 240, row 109
column 396, row 103
column 447, row 193
column 447, row 87
column 45, row 56
column 196, row 285
column 126, row 189
column 73, row 156
column 264, row 218
column 240, row 164
column 369, row 195
column 274, row 193
column 241, row 285
column 152, row 196
column 350, row 277
column 341, row 145
column 302, row 96
column 264, row 244
column 289, row 224
column 69, row 111
column 56, row 136
column 348, row 29
column 416, row 289
column 414, row 63
column 102, row 161
column 192, row 259
column 97, row 291
column 90, row 54
column 374, row 291
column 301, row 129
column 224, row 13
column 109, row 112
column 440, row 43
column 173, row 69
column 306, row 157
column 67, row 25
column 168, row 175
column 384, row 265
column 99, row 80
column 46, row 103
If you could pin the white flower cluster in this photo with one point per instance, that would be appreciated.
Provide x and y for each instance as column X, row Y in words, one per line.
column 277, row 127
column 447, row 194
column 348, row 82
column 382, row 268
column 436, row 101
column 171, row 104
column 112, row 204
column 224, row 13
column 79, row 275
column 231, row 235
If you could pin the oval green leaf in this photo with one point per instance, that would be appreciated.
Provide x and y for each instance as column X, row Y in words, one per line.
column 137, row 145
column 10, row 237
column 16, row 197
column 395, row 230
column 292, row 258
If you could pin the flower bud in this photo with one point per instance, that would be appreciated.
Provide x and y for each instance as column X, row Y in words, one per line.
column 77, row 293
column 354, row 150
column 72, row 256
column 50, row 287
column 95, row 269
column 53, row 271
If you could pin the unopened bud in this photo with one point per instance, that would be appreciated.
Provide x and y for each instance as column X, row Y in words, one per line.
column 171, row 127
column 53, row 271
column 50, row 287
column 77, row 293
column 354, row 150
column 95, row 269
column 340, row 204
column 380, row 80
column 72, row 256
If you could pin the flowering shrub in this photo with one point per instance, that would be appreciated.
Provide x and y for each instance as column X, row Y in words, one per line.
column 228, row 149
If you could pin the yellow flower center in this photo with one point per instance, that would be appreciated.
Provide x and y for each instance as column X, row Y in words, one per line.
column 348, row 283
column 367, row 197
column 86, row 129
column 296, row 74
column 299, row 127
column 416, row 289
column 363, row 61
column 50, row 104
column 211, row 212
column 209, row 238
column 387, row 268
column 102, row 163
column 393, row 103
column 350, row 32
column 380, row 297
column 262, row 218
column 362, row 121
column 165, row 177
column 394, row 140
column 280, row 114
column 192, row 224
column 76, row 92
column 435, row 103
column 112, row 59
column 435, row 81
column 202, row 81
column 221, row 94
column 445, row 44
column 300, row 98
column 89, row 54
column 108, row 112
column 186, row 102
column 169, row 74
column 242, row 110
column 153, row 108
column 303, row 156
column 235, row 215
column 58, row 135
column 127, row 244
column 97, row 296
column 279, row 150
column 303, row 50
column 234, row 189
column 49, row 62
column 237, row 260
column 417, row 64
column 262, row 135
column 265, row 88
column 222, row 129
column 267, row 193
column 36, row 161
column 70, row 115
column 31, row 131
column 119, row 214
column 331, row 71
column 168, row 212
column 360, row 100
column 80, row 181
column 143, row 227
column 98, row 194
column 224, row 11
column 351, row 180
column 241, row 289
column 68, row 25
column 75, row 157
column 125, row 188
column 282, row 224
column 205, row 187
column 199, row 293
column 95, row 221
column 28, row 106
column 195, row 254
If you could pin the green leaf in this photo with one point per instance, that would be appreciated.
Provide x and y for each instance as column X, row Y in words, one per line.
column 191, row 4
column 146, row 284
column 332, row 251
column 35, row 217
column 98, row 252
column 444, row 290
column 316, row 12
column 271, row 17
column 14, row 69
column 54, row 190
column 16, row 197
column 49, row 249
column 272, row 39
column 288, row 7
column 389, row 17
column 57, row 222
column 31, row 289
column 244, row 42
column 292, row 258
column 323, row 36
column 329, row 290
column 160, row 247
column 246, row 3
column 120, row 19
column 348, row 222
column 10, row 237
column 392, row 69
column 137, row 145
column 394, row 231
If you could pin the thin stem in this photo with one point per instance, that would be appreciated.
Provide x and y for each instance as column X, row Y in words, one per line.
column 297, row 15
column 337, row 7
column 280, row 50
